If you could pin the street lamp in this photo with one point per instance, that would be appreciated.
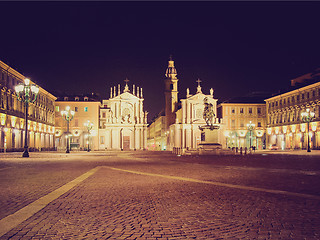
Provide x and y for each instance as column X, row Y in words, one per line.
column 308, row 117
column 68, row 116
column 250, row 127
column 89, row 126
column 26, row 93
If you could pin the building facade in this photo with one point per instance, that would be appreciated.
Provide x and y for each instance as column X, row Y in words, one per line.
column 244, row 124
column 41, row 116
column 86, row 109
column 179, row 126
column 156, row 139
column 285, row 127
column 123, row 122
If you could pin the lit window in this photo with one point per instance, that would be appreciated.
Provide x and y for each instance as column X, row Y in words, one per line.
column 57, row 108
column 86, row 109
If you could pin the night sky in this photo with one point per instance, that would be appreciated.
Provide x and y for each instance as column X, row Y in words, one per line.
column 233, row 47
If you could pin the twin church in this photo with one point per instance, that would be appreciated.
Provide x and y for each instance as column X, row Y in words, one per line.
column 123, row 121
column 120, row 122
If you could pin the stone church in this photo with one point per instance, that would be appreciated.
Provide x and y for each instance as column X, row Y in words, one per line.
column 123, row 122
column 182, row 118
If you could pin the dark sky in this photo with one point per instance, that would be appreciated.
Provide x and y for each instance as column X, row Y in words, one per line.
column 233, row 47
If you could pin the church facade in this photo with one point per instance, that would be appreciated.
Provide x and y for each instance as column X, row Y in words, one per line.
column 181, row 119
column 123, row 122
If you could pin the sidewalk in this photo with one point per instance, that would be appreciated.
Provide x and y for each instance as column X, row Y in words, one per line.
column 289, row 152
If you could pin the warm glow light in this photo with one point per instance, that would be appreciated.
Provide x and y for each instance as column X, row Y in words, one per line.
column 3, row 119
column 269, row 131
column 276, row 130
column 293, row 128
column 26, row 81
column 67, row 108
column 35, row 89
column 18, row 88
column 226, row 133
column 242, row 134
column 259, row 133
column 314, row 126
column 284, row 129
column 303, row 127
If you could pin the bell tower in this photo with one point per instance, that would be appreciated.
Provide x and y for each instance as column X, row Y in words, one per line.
column 171, row 93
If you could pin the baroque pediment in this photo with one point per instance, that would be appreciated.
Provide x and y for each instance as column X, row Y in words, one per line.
column 127, row 97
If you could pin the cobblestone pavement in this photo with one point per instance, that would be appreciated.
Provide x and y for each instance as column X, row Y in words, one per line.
column 164, row 203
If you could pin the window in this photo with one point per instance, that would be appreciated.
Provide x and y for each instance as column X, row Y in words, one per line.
column 307, row 95
column 241, row 110
column 292, row 99
column 302, row 96
column 104, row 115
column 57, row 108
column 66, row 98
column 298, row 98
column 250, row 110
column 284, row 101
column 76, row 99
column 313, row 93
column 259, row 124
column 277, row 103
column 85, row 98
column 101, row 139
column 86, row 109
column 171, row 86
column 76, row 109
column 259, row 110
column 241, row 124
column 232, row 110
column 233, row 123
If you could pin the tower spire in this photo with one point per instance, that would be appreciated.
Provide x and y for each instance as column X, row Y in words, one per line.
column 171, row 93
column 171, row 71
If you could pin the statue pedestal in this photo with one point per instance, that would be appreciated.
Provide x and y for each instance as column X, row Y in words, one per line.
column 209, row 140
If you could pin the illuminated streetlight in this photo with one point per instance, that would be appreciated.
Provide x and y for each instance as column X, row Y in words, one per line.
column 68, row 116
column 28, row 94
column 308, row 117
column 89, row 126
column 250, row 127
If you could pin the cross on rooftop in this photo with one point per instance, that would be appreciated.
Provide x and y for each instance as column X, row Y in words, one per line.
column 198, row 81
column 126, row 80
